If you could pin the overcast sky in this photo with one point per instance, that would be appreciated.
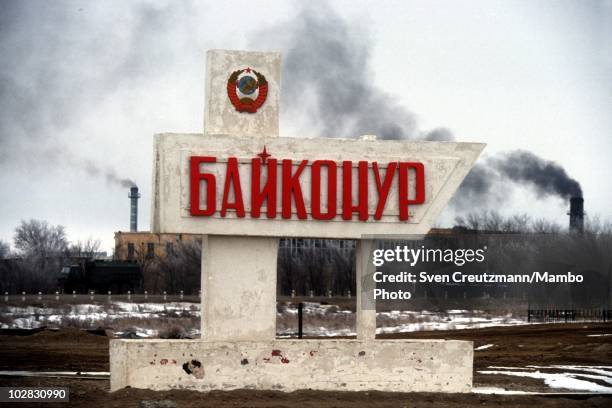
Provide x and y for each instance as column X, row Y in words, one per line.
column 85, row 85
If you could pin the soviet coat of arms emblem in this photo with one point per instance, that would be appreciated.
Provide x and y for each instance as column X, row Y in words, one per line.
column 247, row 89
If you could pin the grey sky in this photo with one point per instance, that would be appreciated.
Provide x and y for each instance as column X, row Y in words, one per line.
column 84, row 85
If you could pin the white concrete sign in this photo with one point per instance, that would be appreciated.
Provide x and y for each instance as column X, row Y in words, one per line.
column 242, row 187
column 306, row 173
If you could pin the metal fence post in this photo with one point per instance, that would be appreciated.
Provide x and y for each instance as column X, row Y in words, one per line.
column 528, row 315
column 300, row 319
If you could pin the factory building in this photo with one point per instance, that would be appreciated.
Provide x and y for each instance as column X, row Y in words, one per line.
column 144, row 244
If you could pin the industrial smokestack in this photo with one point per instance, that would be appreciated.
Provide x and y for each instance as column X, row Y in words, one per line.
column 576, row 214
column 134, row 196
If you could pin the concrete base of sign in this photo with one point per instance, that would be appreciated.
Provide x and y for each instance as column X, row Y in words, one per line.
column 288, row 365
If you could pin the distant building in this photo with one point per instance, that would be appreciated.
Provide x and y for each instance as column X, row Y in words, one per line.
column 295, row 245
column 144, row 244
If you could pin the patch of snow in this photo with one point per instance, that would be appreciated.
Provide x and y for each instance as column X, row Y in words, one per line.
column 140, row 332
column 502, row 391
column 565, row 380
column 456, row 311
column 486, row 346
column 605, row 371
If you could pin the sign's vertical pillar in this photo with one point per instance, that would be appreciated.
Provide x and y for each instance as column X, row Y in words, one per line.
column 366, row 306
column 239, row 288
column 239, row 272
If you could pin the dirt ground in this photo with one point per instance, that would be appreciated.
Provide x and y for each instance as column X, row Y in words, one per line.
column 90, row 393
column 516, row 346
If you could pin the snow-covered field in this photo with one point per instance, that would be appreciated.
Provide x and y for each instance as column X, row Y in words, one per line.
column 329, row 320
column 133, row 319
column 150, row 319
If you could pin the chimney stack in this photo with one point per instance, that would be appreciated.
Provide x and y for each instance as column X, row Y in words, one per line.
column 134, row 196
column 576, row 214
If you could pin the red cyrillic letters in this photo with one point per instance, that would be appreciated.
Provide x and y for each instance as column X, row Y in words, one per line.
column 292, row 188
column 232, row 179
column 211, row 189
column 267, row 193
column 315, row 196
column 347, row 191
column 264, row 189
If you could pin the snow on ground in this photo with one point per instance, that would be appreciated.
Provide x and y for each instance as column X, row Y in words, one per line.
column 410, row 321
column 602, row 370
column 570, row 377
column 137, row 332
column 330, row 320
column 486, row 346
column 91, row 315
column 599, row 335
column 319, row 320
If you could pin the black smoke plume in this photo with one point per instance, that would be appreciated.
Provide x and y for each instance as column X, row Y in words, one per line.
column 486, row 182
column 546, row 177
column 82, row 164
column 109, row 174
column 328, row 80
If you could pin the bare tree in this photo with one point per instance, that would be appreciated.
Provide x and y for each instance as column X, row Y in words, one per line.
column 39, row 238
column 543, row 226
column 492, row 221
column 317, row 268
column 178, row 269
column 85, row 249
column 471, row 221
column 517, row 223
column 42, row 248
